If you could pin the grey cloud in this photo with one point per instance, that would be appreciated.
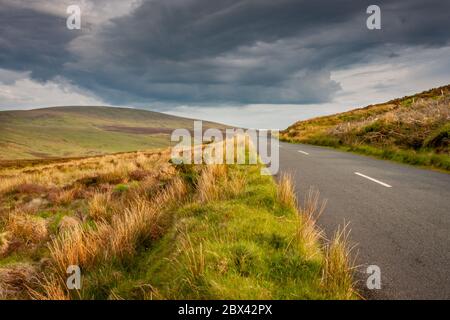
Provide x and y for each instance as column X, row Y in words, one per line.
column 218, row 52
column 33, row 41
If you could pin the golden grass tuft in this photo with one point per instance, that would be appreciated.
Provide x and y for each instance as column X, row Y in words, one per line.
column 99, row 206
column 31, row 188
column 337, row 278
column 235, row 185
column 68, row 223
column 65, row 197
column 338, row 268
column 215, row 183
column 80, row 247
column 15, row 281
column 286, row 191
column 4, row 243
column 52, row 288
column 142, row 220
column 130, row 228
column 208, row 185
column 141, row 161
column 308, row 234
column 146, row 188
column 138, row 175
column 219, row 170
column 26, row 228
column 176, row 190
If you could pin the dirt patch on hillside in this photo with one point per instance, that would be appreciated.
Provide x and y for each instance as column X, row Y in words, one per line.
column 138, row 130
column 42, row 155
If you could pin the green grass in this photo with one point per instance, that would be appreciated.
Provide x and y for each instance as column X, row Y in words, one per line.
column 413, row 130
column 197, row 232
column 424, row 158
column 80, row 131
column 233, row 248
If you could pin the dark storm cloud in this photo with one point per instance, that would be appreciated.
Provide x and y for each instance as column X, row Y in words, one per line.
column 33, row 41
column 222, row 51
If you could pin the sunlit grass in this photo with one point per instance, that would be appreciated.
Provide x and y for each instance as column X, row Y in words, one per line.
column 413, row 130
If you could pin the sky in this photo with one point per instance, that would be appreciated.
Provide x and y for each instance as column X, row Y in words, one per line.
column 249, row 63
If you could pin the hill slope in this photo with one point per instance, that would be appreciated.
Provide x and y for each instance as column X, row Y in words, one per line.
column 84, row 131
column 413, row 129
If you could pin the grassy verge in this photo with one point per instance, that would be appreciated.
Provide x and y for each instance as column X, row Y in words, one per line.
column 413, row 130
column 142, row 229
column 424, row 158
column 238, row 236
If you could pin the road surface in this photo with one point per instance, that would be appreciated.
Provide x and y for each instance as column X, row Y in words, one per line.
column 399, row 216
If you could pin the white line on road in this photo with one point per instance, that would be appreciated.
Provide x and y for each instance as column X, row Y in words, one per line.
column 374, row 180
column 303, row 152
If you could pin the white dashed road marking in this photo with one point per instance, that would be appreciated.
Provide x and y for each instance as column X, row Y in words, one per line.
column 303, row 152
column 374, row 180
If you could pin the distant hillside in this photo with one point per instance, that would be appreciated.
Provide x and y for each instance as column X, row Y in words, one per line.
column 85, row 131
column 413, row 129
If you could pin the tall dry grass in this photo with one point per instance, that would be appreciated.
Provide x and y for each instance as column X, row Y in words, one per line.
column 4, row 243
column 99, row 206
column 81, row 246
column 50, row 288
column 309, row 234
column 16, row 280
column 26, row 228
column 235, row 185
column 338, row 262
column 141, row 220
column 65, row 197
column 138, row 222
column 109, row 167
column 215, row 183
column 209, row 186
column 407, row 126
column 339, row 265
column 286, row 191
column 112, row 227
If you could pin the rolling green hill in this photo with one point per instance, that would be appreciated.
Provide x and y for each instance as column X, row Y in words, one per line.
column 413, row 129
column 85, row 131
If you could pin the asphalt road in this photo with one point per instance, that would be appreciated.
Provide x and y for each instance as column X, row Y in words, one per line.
column 399, row 216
